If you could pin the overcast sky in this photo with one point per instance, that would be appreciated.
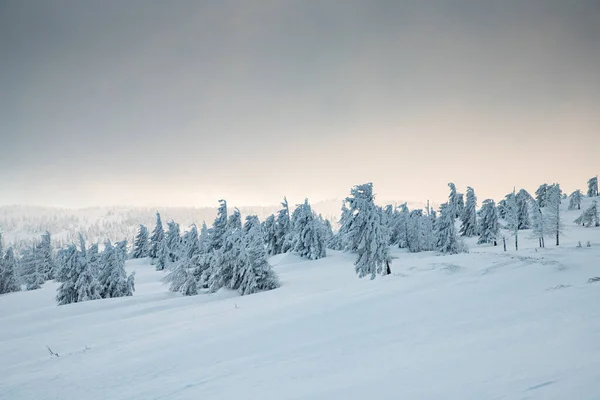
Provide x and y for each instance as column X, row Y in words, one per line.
column 185, row 102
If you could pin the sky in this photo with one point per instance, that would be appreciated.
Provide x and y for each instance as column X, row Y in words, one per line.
column 155, row 103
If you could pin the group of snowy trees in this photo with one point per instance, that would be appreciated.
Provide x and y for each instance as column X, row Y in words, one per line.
column 87, row 274
column 228, row 255
column 8, row 270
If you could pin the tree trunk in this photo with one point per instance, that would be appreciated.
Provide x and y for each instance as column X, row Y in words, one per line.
column 557, row 238
column 504, row 242
column 388, row 270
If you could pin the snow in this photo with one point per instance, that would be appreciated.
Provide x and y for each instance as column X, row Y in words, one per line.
column 481, row 325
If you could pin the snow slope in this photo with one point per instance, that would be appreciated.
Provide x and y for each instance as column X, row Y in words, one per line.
column 483, row 325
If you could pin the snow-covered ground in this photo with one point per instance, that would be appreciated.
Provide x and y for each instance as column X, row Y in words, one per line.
column 483, row 325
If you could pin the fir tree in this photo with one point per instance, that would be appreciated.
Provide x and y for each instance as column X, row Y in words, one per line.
column 415, row 234
column 93, row 259
column 182, row 278
column 29, row 267
column 8, row 277
column 523, row 198
column 190, row 243
column 592, row 187
column 283, row 228
column 226, row 263
column 590, row 216
column 512, row 216
column 158, row 234
column 219, row 229
column 307, row 233
column 255, row 274
column 540, row 195
column 45, row 257
column 455, row 200
column 552, row 201
column 113, row 278
column 173, row 240
column 447, row 242
column 162, row 257
column 269, row 235
column 469, row 215
column 489, row 227
column 78, row 282
column 540, row 222
column 141, row 244
column 575, row 200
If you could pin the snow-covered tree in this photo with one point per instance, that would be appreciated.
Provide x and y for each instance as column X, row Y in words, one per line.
column 400, row 232
column 190, row 243
column 227, row 261
column 592, row 187
column 93, row 259
column 447, row 241
column 158, row 234
column 308, row 236
column 268, row 231
column 488, row 223
column 78, row 282
column 339, row 240
column 29, row 268
column 366, row 232
column 540, row 194
column 219, row 229
column 255, row 273
column 162, row 256
column 173, row 240
column 455, row 200
column 182, row 278
column 501, row 209
column 113, row 278
column 469, row 215
column 415, row 234
column 8, row 276
column 512, row 216
column 283, row 229
column 523, row 199
column 590, row 216
column 575, row 200
column 540, row 223
column 141, row 244
column 552, row 201
column 45, row 257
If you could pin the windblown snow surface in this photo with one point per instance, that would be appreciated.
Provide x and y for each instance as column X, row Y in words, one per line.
column 484, row 325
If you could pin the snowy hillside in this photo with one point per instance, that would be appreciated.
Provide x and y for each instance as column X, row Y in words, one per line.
column 483, row 325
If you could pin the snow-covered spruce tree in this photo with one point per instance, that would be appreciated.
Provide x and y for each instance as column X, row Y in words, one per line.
column 401, row 231
column 268, row 231
column 173, row 239
column 469, row 215
column 590, row 216
column 340, row 239
column 540, row 194
column 219, row 229
column 512, row 216
column 308, row 238
column 182, row 278
column 327, row 229
column 162, row 256
column 141, row 244
column 113, row 278
column 45, row 257
column 255, row 273
column 227, row 261
column 575, row 200
column 501, row 209
column 523, row 200
column 415, row 231
column 8, row 276
column 366, row 233
column 552, row 201
column 447, row 241
column 488, row 223
column 158, row 234
column 540, row 223
column 593, row 187
column 455, row 200
column 78, row 283
column 93, row 259
column 190, row 243
column 29, row 268
column 283, row 228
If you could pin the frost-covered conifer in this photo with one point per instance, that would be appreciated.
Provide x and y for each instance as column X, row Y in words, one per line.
column 227, row 261
column 162, row 257
column 512, row 216
column 78, row 282
column 540, row 194
column 415, row 234
column 190, row 243
column 269, row 236
column 575, row 200
column 219, row 230
column 540, row 223
column 501, row 209
column 552, row 201
column 469, row 215
column 8, row 276
column 523, row 199
column 255, row 273
column 173, row 240
column 455, row 200
column 93, row 259
column 447, row 242
column 158, row 234
column 141, row 244
column 592, row 187
column 590, row 216
column 113, row 278
column 283, row 228
column 29, row 268
column 45, row 257
column 182, row 278
column 488, row 223
column 307, row 233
